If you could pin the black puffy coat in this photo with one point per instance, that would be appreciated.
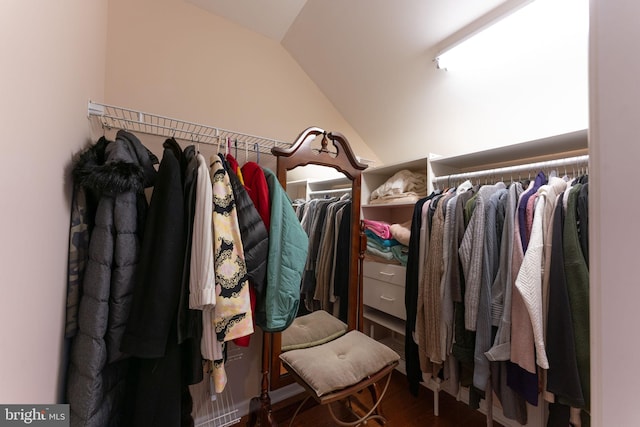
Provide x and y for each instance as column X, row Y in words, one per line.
column 117, row 172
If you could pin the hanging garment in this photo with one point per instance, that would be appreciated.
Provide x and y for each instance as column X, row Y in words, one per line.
column 501, row 288
column 451, row 372
column 342, row 264
column 577, row 276
column 324, row 289
column 513, row 404
column 522, row 374
column 288, row 247
column 563, row 378
column 316, row 218
column 583, row 220
column 83, row 207
column 464, row 340
column 490, row 264
column 423, row 253
column 414, row 374
column 202, row 283
column 430, row 343
column 233, row 318
column 522, row 207
column 117, row 173
column 255, row 240
column 189, row 321
column 256, row 185
column 151, row 334
column 471, row 253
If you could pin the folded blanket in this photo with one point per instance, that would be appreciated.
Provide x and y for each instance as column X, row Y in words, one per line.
column 401, row 232
column 401, row 183
column 400, row 253
column 371, row 236
column 388, row 255
column 381, row 228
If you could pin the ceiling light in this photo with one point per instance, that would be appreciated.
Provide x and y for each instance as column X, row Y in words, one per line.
column 492, row 28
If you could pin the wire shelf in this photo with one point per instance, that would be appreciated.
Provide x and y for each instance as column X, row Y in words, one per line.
column 112, row 116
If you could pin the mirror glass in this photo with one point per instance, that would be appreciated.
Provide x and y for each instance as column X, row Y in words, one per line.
column 321, row 197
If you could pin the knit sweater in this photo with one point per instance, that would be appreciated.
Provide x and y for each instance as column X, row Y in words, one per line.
column 522, row 341
column 430, row 344
column 490, row 260
column 501, row 289
column 529, row 282
column 471, row 253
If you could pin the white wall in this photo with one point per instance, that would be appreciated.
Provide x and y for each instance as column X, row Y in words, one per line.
column 533, row 87
column 614, row 226
column 53, row 61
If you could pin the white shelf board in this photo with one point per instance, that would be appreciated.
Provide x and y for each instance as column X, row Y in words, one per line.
column 385, row 320
column 553, row 147
column 388, row 205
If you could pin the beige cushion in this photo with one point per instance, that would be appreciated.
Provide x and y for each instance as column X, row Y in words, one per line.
column 312, row 329
column 340, row 363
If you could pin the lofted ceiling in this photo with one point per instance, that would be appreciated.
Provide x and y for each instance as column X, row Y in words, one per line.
column 367, row 56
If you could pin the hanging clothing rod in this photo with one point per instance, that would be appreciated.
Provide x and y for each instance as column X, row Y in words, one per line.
column 112, row 116
column 578, row 161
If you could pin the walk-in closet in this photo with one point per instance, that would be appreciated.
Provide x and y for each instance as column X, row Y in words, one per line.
column 135, row 129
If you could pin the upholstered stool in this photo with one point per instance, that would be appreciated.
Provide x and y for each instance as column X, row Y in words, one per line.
column 340, row 368
column 311, row 330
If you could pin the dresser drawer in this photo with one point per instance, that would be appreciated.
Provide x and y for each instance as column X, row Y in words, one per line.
column 384, row 296
column 390, row 273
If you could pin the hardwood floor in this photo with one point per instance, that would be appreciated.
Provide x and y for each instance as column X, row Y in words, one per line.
column 400, row 407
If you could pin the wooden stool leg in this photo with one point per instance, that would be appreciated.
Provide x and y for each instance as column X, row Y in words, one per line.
column 373, row 414
column 374, row 390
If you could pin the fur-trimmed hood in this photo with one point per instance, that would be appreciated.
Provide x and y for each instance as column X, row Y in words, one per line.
column 116, row 166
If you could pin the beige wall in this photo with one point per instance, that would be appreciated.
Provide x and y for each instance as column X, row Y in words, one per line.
column 53, row 61
column 170, row 57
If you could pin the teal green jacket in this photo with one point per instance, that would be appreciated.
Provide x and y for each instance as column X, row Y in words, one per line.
column 288, row 247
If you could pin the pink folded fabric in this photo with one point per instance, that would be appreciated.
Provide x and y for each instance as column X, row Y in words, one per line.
column 380, row 228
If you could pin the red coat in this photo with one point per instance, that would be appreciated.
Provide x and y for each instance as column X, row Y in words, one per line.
column 256, row 185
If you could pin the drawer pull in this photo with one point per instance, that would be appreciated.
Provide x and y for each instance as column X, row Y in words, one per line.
column 384, row 273
column 385, row 298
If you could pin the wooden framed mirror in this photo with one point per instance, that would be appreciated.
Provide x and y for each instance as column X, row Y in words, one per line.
column 315, row 146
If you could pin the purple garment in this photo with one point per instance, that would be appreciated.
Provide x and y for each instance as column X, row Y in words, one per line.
column 523, row 382
column 540, row 180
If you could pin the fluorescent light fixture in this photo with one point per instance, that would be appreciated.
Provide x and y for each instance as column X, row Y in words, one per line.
column 492, row 28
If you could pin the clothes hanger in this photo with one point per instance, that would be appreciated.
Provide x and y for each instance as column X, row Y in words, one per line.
column 257, row 148
column 246, row 152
